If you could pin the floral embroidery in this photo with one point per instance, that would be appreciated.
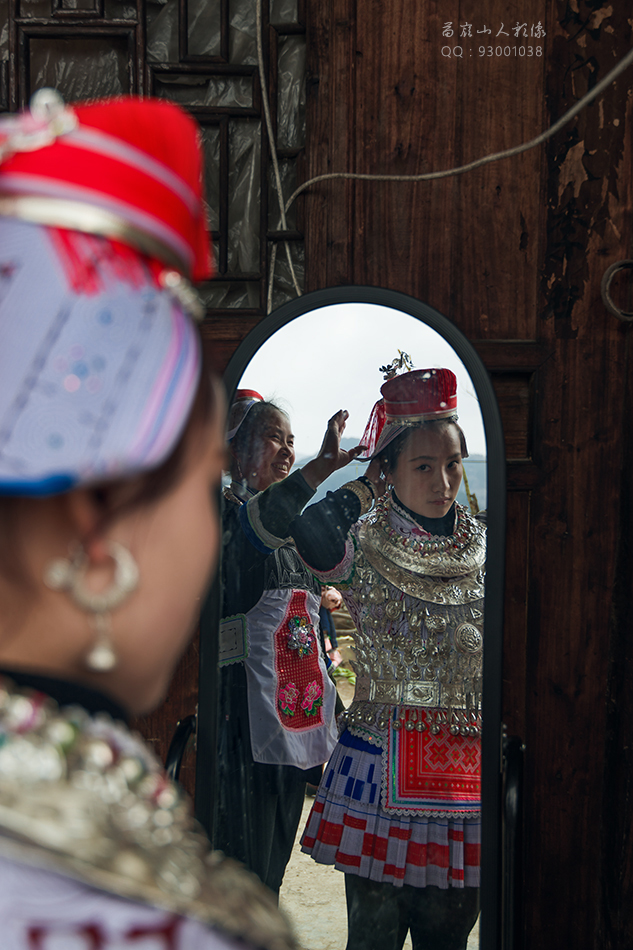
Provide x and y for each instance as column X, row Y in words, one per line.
column 299, row 667
column 288, row 697
column 301, row 636
column 312, row 698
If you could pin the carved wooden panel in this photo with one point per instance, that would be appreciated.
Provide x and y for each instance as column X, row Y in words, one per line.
column 203, row 55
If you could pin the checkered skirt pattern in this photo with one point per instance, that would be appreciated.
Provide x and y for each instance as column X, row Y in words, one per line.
column 349, row 828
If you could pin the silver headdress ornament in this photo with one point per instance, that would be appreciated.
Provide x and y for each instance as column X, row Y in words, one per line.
column 47, row 119
column 401, row 364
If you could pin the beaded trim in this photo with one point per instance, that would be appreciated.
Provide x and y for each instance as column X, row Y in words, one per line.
column 83, row 796
column 460, row 720
column 412, row 421
column 463, row 531
column 373, row 722
column 362, row 492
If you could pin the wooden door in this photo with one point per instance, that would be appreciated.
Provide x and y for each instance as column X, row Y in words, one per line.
column 514, row 253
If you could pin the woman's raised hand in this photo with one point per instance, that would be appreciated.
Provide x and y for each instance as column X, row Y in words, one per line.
column 331, row 456
column 331, row 452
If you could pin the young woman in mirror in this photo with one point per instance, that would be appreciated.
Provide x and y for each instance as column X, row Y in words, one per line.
column 277, row 700
column 398, row 808
column 112, row 442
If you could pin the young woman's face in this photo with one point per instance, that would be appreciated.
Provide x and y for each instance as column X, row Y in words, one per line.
column 429, row 470
column 272, row 452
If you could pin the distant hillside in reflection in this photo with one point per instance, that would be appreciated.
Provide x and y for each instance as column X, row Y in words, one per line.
column 475, row 466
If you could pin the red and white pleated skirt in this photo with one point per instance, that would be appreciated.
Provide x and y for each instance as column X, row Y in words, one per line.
column 349, row 828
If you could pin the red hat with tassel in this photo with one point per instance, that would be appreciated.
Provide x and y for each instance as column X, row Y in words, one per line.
column 422, row 395
column 101, row 225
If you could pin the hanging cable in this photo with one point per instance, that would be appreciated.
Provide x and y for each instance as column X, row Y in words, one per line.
column 427, row 176
column 271, row 275
column 487, row 159
column 273, row 153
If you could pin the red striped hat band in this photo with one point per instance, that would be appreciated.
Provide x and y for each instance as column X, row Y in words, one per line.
column 127, row 169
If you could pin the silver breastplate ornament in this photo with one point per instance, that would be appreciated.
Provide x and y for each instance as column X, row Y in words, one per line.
column 417, row 602
column 84, row 797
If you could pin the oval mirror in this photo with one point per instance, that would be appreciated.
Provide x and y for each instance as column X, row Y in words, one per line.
column 313, row 356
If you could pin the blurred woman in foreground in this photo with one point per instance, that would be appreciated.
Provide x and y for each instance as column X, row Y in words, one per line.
column 111, row 441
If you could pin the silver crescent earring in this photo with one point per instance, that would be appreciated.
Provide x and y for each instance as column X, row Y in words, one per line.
column 65, row 574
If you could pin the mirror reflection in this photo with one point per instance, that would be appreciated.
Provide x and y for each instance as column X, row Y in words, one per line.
column 398, row 547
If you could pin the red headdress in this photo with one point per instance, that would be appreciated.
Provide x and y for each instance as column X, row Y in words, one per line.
column 243, row 402
column 408, row 400
column 101, row 225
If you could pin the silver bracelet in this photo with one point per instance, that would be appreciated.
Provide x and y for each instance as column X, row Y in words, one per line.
column 363, row 493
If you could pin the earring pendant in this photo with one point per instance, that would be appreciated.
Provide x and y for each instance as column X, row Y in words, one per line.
column 64, row 574
column 101, row 657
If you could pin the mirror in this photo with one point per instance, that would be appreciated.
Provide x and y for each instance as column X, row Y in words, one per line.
column 321, row 353
column 330, row 336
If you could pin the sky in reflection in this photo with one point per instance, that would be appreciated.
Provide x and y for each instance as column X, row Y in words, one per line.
column 329, row 359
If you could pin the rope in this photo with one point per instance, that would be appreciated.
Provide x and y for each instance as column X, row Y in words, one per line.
column 487, row 159
column 273, row 152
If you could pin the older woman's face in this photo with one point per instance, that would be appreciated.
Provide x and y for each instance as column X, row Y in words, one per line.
column 429, row 471
column 272, row 452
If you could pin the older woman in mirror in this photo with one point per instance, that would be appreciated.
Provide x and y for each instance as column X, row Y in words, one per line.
column 278, row 702
column 398, row 806
column 111, row 444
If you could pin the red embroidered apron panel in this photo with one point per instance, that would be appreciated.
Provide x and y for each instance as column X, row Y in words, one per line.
column 300, row 684
column 432, row 773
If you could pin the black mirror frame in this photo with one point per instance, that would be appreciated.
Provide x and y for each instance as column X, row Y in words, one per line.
column 491, row 887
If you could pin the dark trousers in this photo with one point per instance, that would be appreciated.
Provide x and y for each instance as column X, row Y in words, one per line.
column 379, row 915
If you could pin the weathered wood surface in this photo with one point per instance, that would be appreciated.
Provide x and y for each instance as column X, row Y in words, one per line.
column 513, row 252
column 616, row 870
column 576, row 516
column 412, row 110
